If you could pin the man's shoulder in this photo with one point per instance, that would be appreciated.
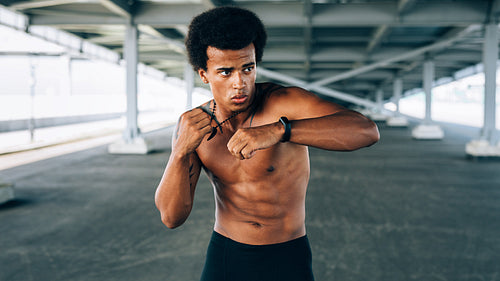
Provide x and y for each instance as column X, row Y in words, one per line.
column 275, row 98
column 273, row 93
column 206, row 107
column 268, row 88
column 294, row 102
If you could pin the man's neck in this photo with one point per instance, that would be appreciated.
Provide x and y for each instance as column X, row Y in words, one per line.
column 237, row 120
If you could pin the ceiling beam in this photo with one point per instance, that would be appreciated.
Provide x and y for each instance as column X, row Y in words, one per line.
column 319, row 89
column 438, row 45
column 33, row 54
column 107, row 39
column 161, row 15
column 346, row 55
column 60, row 18
column 462, row 13
column 430, row 13
column 24, row 5
column 148, row 30
column 377, row 37
column 118, row 7
column 404, row 6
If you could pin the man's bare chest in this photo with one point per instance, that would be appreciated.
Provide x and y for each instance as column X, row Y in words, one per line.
column 223, row 165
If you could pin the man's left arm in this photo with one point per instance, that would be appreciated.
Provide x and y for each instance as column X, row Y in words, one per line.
column 313, row 122
column 345, row 130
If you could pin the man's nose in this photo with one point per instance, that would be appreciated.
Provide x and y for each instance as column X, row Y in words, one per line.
column 239, row 80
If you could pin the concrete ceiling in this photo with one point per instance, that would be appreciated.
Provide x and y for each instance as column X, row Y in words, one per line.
column 332, row 46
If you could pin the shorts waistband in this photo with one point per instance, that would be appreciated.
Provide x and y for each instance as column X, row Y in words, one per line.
column 219, row 238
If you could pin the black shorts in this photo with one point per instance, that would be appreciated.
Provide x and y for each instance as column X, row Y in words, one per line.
column 228, row 260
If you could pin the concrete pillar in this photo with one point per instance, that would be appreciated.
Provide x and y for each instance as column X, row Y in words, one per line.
column 189, row 82
column 132, row 142
column 490, row 55
column 428, row 79
column 487, row 144
column 397, row 92
column 428, row 130
column 397, row 120
column 379, row 99
column 131, row 58
column 377, row 113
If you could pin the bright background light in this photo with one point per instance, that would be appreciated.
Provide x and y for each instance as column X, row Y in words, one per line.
column 64, row 87
column 458, row 102
column 52, row 84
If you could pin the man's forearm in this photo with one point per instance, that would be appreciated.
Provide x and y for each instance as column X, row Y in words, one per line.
column 346, row 130
column 173, row 196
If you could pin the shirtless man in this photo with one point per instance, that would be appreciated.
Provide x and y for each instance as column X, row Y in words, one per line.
column 252, row 141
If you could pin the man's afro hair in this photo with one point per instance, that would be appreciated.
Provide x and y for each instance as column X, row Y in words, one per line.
column 224, row 28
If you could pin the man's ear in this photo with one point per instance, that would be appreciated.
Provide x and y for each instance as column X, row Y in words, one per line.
column 203, row 75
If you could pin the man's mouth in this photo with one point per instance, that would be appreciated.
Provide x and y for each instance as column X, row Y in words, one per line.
column 239, row 99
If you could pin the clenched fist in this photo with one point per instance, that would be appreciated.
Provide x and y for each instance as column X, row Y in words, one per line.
column 192, row 127
column 246, row 141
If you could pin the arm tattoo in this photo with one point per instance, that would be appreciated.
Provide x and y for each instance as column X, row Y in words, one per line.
column 191, row 170
column 191, row 174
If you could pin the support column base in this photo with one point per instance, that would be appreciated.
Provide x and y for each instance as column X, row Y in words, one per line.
column 138, row 146
column 378, row 117
column 427, row 132
column 482, row 148
column 6, row 192
column 364, row 111
column 397, row 121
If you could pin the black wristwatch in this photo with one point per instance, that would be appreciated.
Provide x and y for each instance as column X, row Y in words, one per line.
column 288, row 129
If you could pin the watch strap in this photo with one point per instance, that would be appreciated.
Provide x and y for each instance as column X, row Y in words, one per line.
column 288, row 129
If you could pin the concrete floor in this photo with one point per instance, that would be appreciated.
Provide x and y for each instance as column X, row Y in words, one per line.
column 400, row 210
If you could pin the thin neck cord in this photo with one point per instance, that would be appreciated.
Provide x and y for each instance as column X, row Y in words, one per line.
column 227, row 119
column 214, row 129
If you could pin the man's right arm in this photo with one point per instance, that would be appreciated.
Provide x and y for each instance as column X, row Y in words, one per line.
column 175, row 193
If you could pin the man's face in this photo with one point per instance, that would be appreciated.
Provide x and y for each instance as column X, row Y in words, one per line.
column 231, row 74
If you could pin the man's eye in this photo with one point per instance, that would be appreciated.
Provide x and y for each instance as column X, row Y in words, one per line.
column 225, row 73
column 249, row 69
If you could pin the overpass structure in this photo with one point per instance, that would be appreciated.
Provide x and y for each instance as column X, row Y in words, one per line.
column 356, row 52
column 419, row 213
